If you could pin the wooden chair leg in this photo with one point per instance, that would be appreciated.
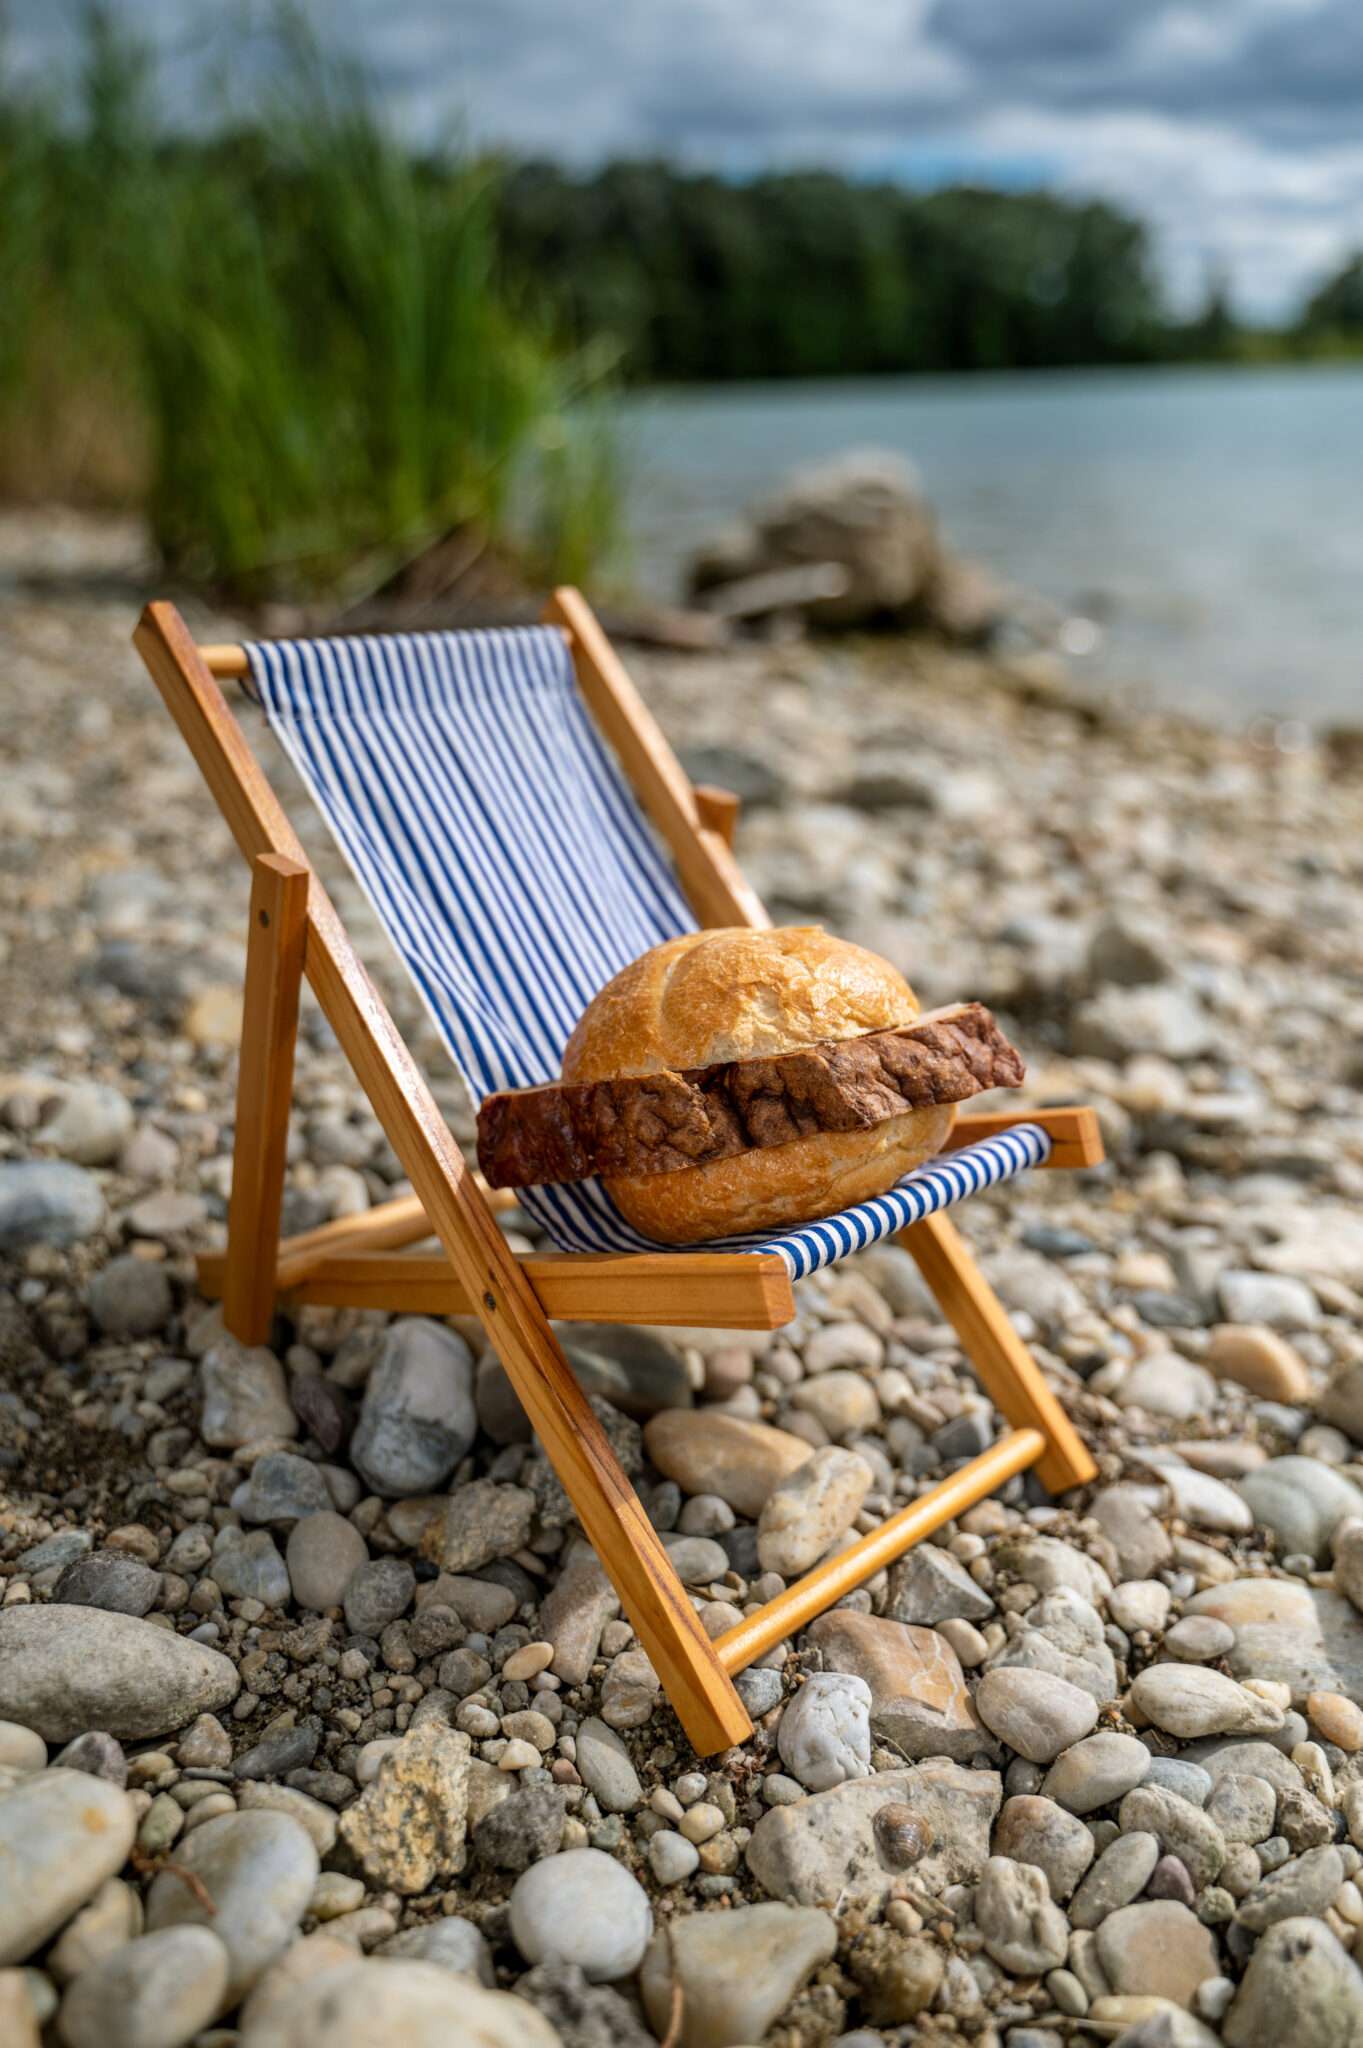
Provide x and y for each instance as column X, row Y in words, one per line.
column 275, row 952
column 1006, row 1369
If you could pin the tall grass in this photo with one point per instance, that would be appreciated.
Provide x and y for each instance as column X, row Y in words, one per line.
column 291, row 341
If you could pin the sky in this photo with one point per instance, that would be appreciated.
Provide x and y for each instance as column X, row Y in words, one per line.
column 1234, row 127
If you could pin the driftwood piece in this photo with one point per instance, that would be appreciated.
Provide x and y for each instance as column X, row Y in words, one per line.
column 663, row 1122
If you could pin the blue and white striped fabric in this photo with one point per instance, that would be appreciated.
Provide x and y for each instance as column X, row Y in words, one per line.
column 507, row 860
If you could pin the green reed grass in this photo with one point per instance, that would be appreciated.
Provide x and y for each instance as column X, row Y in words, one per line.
column 290, row 340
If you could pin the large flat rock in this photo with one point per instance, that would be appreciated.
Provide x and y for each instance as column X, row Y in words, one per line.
column 65, row 1669
column 825, row 1851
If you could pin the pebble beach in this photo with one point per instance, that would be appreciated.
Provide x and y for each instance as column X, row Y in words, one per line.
column 320, row 1723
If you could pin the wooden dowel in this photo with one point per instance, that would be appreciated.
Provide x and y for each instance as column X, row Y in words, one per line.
column 385, row 1228
column 225, row 661
column 275, row 951
column 789, row 1611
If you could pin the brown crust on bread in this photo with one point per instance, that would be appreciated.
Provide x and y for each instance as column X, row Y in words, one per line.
column 666, row 1121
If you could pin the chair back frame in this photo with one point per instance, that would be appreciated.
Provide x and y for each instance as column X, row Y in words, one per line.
column 295, row 932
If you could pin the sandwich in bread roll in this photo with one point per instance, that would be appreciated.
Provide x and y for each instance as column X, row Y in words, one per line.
column 738, row 994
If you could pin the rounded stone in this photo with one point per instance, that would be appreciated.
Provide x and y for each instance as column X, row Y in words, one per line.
column 1097, row 1772
column 131, row 1297
column 808, row 1510
column 373, row 2003
column 258, row 1870
column 377, row 1592
column 418, row 1417
column 737, row 1970
column 582, row 1907
column 64, row 1670
column 824, row 1735
column 1035, row 1713
column 62, row 1833
column 20, row 1748
column 323, row 1554
column 1188, row 1700
column 155, row 1992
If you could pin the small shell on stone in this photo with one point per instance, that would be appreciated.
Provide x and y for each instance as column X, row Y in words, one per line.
column 902, row 1836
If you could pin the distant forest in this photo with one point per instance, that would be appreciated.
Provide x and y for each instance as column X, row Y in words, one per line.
column 805, row 274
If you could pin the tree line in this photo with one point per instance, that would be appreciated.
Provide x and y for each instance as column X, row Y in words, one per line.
column 806, row 274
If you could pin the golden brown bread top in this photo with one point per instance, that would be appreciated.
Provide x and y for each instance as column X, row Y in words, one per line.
column 734, row 994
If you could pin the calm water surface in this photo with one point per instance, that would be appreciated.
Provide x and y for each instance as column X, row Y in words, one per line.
column 1210, row 522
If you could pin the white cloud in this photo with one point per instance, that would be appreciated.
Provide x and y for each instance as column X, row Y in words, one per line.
column 1231, row 125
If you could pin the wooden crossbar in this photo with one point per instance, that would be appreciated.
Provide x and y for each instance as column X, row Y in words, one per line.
column 699, row 1290
column 359, row 1261
column 840, row 1574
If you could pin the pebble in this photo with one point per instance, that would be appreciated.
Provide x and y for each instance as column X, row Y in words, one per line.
column 1300, row 1985
column 67, row 1669
column 91, row 1125
column 1198, row 1638
column 1140, row 1604
column 1262, row 1361
column 417, row 2004
column 1187, row 1700
column 482, row 1521
column 110, row 1580
column 1336, row 1720
column 1097, row 1772
column 582, row 1907
column 823, row 1851
column 1157, row 1948
column 245, row 1396
column 806, row 1512
column 324, row 1552
column 671, row 1857
column 605, row 1767
column 928, row 1585
column 737, row 1970
column 520, row 1829
column 1035, row 1714
column 824, row 1735
column 452, row 1943
column 131, row 1297
column 920, row 1703
column 1182, row 1830
column 1120, row 1875
column 1036, row 1830
column 1270, row 1298
column 407, row 1828
column 62, row 1834
column 1206, row 1502
column 1022, row 1929
column 282, row 1488
column 377, row 1592
column 842, row 1403
column 155, row 1992
column 258, row 1869
column 709, row 1452
column 418, row 1418
column 20, row 1749
column 47, row 1202
column 246, row 1566
column 1302, row 1502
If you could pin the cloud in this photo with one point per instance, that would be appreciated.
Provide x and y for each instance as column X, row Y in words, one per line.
column 1231, row 125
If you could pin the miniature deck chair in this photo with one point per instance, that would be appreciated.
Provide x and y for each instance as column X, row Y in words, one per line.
column 507, row 855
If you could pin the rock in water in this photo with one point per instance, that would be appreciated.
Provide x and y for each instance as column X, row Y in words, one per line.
column 258, row 1870
column 66, row 1669
column 156, row 1992
column 418, row 1417
column 407, row 1828
column 582, row 1907
column 1301, row 1985
column 370, row 2004
column 826, row 1851
column 737, row 1970
column 62, row 1833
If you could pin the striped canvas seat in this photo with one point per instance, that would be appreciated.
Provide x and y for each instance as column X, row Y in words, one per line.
column 511, row 867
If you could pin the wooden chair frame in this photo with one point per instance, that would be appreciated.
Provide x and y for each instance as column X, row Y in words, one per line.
column 357, row 1261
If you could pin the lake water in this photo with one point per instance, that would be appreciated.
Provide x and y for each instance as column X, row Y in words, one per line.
column 1209, row 522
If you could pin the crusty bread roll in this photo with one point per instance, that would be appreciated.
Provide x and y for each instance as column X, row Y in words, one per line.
column 735, row 994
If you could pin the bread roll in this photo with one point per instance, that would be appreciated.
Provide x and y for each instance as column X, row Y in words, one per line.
column 734, row 994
